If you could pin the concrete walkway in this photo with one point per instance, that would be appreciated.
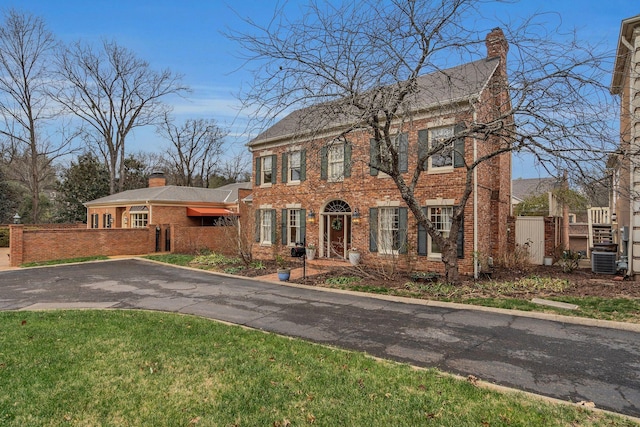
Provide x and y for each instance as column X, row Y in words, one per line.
column 570, row 359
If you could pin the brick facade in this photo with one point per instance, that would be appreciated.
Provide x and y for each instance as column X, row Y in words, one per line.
column 362, row 191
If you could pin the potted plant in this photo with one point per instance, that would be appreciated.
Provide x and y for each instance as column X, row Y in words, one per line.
column 311, row 251
column 284, row 272
column 354, row 256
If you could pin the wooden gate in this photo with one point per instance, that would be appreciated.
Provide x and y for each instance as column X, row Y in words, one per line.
column 530, row 234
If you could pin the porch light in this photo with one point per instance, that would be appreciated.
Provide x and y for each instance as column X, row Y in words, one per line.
column 355, row 217
column 16, row 218
column 311, row 216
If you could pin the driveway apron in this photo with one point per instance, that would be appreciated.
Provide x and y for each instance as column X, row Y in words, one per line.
column 566, row 361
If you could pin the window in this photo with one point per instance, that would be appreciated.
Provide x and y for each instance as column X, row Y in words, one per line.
column 336, row 162
column 267, row 169
column 440, row 217
column 94, row 220
column 381, row 156
column 107, row 220
column 139, row 220
column 444, row 157
column 388, row 230
column 294, row 228
column 293, row 170
column 266, row 226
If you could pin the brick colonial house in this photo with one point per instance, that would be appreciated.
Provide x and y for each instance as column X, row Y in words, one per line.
column 309, row 185
column 626, row 180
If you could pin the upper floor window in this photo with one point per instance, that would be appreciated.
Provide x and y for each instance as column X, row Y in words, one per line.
column 380, row 155
column 266, row 170
column 441, row 140
column 336, row 161
column 294, row 166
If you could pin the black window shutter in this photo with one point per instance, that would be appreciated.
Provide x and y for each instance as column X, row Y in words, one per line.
column 303, row 165
column 373, row 229
column 374, row 156
column 403, row 152
column 460, row 243
column 423, row 147
column 303, row 225
column 273, row 226
column 274, row 168
column 347, row 159
column 402, row 229
column 324, row 160
column 422, row 237
column 458, row 146
column 258, row 170
column 283, row 221
column 285, row 163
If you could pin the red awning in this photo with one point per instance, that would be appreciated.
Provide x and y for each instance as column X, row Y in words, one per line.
column 209, row 212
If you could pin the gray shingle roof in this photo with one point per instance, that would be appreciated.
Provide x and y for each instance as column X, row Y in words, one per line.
column 170, row 194
column 436, row 89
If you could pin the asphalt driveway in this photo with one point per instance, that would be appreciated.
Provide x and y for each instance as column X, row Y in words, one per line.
column 560, row 359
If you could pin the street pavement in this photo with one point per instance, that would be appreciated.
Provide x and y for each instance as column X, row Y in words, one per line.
column 568, row 359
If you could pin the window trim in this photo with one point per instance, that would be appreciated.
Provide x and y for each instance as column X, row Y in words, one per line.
column 431, row 139
column 338, row 150
column 290, row 167
column 263, row 171
column 266, row 224
column 395, row 231
column 138, row 219
column 430, row 253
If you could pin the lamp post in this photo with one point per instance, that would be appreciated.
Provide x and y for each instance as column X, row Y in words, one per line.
column 16, row 218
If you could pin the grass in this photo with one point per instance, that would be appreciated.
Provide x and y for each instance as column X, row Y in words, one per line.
column 65, row 261
column 144, row 368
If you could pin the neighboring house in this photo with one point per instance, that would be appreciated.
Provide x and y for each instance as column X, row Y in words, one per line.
column 167, row 205
column 311, row 186
column 523, row 188
column 626, row 180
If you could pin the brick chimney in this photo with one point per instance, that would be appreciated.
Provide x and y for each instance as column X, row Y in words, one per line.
column 157, row 179
column 497, row 45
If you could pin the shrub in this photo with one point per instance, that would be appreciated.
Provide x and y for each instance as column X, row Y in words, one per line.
column 4, row 237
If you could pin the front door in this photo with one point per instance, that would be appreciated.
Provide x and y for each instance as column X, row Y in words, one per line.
column 336, row 229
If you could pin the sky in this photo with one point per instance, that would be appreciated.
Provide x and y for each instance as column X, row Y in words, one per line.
column 187, row 37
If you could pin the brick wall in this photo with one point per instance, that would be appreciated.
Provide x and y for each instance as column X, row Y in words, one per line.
column 193, row 239
column 31, row 244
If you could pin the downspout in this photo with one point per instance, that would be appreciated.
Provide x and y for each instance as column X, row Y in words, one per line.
column 476, row 272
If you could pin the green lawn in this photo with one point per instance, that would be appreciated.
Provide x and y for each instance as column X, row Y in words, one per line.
column 135, row 368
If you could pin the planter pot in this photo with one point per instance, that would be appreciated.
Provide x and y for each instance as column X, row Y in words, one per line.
column 354, row 258
column 284, row 274
column 311, row 253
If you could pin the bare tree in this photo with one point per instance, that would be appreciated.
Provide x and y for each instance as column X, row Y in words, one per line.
column 195, row 150
column 359, row 65
column 112, row 91
column 26, row 48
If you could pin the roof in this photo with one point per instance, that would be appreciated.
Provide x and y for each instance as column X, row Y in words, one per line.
column 443, row 87
column 522, row 188
column 170, row 194
column 626, row 32
column 233, row 188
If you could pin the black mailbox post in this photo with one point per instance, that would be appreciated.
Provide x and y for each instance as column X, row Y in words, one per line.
column 299, row 251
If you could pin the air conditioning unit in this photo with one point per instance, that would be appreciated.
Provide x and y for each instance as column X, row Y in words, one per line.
column 603, row 262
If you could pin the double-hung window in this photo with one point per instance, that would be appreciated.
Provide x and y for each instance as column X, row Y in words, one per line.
column 440, row 140
column 440, row 217
column 107, row 220
column 293, row 173
column 388, row 230
column 336, row 162
column 267, row 169
column 294, row 228
column 266, row 226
